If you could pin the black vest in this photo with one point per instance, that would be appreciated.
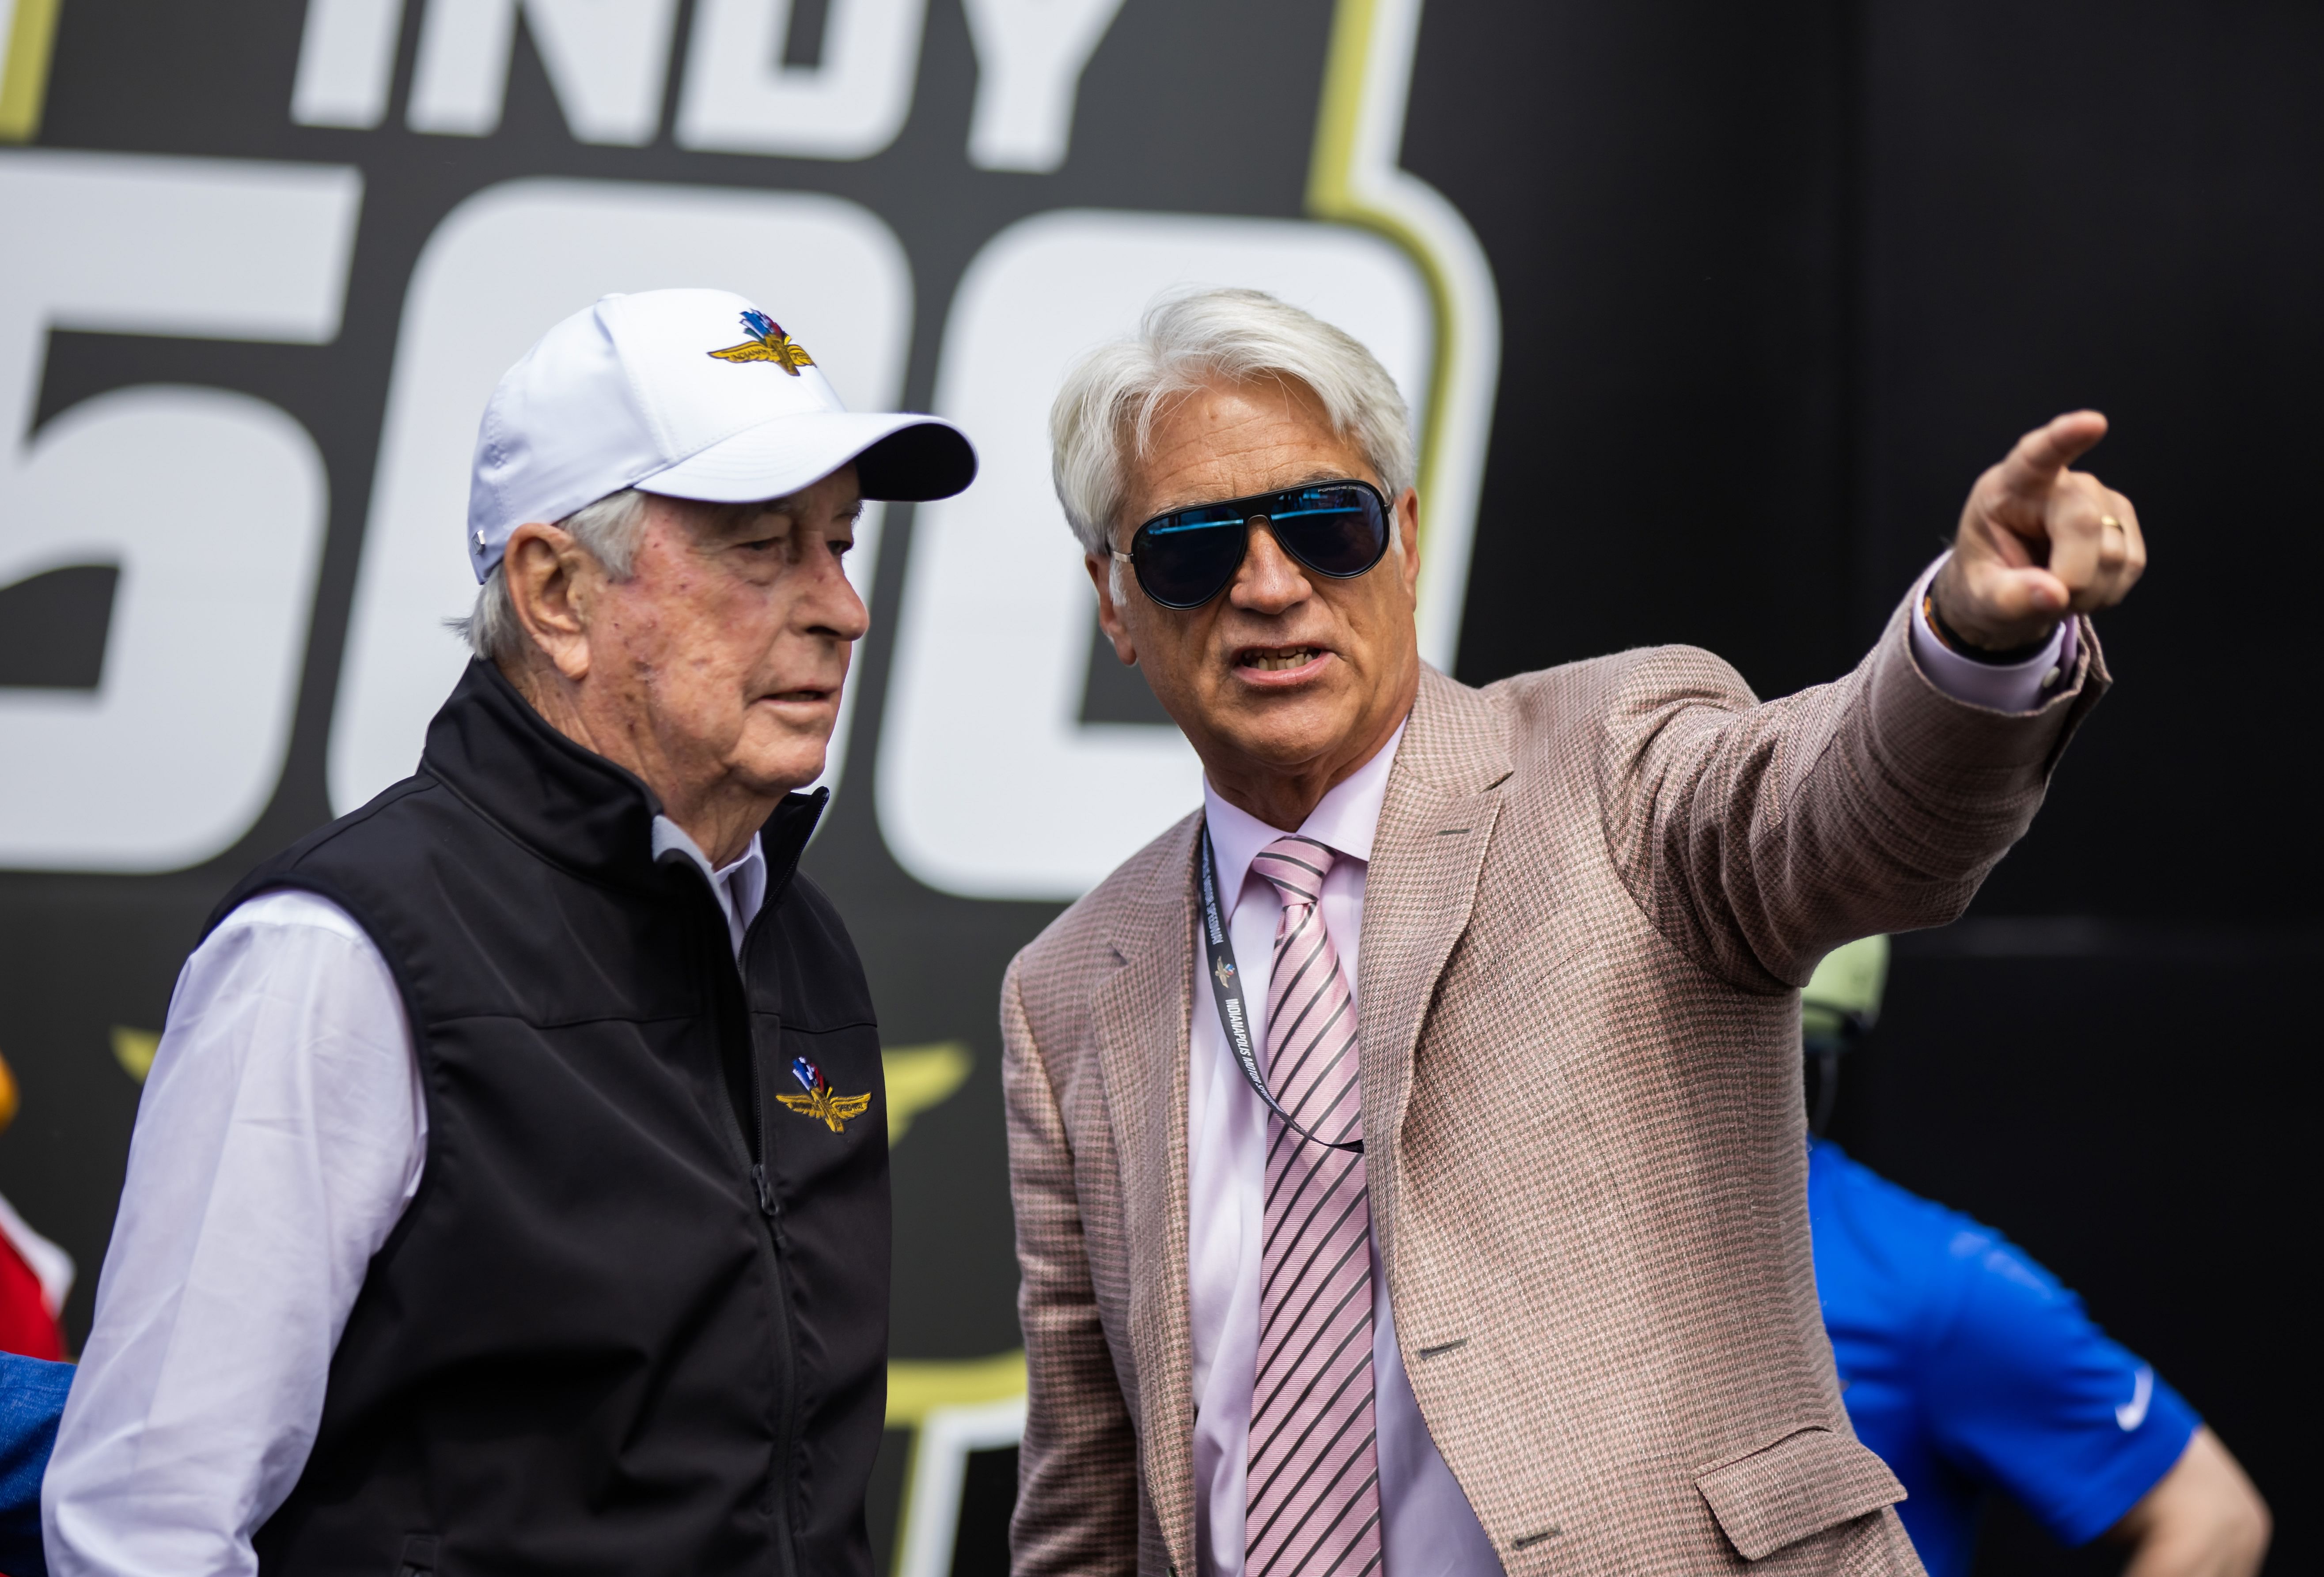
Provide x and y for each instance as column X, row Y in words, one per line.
column 635, row 1320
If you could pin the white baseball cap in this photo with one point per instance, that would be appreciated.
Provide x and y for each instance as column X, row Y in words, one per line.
column 693, row 394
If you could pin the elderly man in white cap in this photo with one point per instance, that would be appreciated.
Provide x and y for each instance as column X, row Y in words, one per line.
column 510, row 1192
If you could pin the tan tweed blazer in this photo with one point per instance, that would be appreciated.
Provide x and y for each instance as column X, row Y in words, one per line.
column 1593, row 896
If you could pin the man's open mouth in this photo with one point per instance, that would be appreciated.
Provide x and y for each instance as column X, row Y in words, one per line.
column 1276, row 659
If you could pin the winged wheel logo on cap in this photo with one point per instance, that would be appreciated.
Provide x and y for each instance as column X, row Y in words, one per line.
column 768, row 343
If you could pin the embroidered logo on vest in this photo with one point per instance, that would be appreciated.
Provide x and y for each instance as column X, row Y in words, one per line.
column 832, row 1111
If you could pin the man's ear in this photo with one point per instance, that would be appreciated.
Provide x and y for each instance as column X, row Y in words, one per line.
column 1407, row 540
column 549, row 587
column 1109, row 612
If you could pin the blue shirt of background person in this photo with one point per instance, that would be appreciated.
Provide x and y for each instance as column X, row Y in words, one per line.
column 32, row 1400
column 1967, row 1366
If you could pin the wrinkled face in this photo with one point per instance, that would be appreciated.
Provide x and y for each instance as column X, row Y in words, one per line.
column 722, row 657
column 1287, row 672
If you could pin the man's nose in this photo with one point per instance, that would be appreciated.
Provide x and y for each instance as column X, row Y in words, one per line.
column 1270, row 580
column 830, row 603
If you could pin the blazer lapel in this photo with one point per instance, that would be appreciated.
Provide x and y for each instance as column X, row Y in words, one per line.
column 1429, row 849
column 1139, row 1014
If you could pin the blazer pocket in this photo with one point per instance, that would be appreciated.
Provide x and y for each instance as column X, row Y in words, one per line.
column 1810, row 1479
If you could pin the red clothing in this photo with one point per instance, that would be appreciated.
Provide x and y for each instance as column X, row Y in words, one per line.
column 26, row 1325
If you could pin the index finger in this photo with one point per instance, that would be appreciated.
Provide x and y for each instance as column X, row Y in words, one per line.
column 2042, row 456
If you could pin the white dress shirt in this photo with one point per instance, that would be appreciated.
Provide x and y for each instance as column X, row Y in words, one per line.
column 281, row 1132
column 1427, row 1527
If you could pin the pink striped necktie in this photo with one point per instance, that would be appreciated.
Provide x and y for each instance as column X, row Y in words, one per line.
column 1314, row 1491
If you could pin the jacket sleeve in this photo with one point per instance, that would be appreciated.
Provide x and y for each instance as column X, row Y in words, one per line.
column 1077, row 1467
column 1757, row 837
column 31, row 1398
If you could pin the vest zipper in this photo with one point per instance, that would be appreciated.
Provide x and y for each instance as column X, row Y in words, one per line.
column 770, row 1206
column 770, row 1210
column 760, row 1144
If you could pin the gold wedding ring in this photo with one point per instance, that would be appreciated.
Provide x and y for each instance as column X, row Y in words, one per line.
column 2105, row 521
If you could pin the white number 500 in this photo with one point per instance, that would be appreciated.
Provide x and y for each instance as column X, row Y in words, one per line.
column 210, row 505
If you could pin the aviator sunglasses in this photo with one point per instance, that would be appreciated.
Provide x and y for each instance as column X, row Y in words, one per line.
column 1187, row 556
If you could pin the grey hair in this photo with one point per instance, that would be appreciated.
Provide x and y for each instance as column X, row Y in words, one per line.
column 1107, row 407
column 609, row 531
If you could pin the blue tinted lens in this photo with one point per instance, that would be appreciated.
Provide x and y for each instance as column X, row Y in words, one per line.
column 1339, row 530
column 1183, row 560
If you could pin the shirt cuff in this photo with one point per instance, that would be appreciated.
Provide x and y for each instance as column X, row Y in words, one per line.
column 2004, row 687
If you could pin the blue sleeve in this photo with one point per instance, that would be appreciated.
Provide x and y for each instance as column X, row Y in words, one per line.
column 32, row 1400
column 2026, row 1393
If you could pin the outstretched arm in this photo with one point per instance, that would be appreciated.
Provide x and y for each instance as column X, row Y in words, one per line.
column 2204, row 1519
column 1759, row 837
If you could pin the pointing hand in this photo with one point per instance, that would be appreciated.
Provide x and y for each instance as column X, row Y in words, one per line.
column 2038, row 540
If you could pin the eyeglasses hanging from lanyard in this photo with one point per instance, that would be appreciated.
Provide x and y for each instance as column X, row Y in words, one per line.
column 1226, row 990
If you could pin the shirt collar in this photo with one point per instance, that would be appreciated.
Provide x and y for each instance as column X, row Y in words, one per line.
column 1345, row 819
column 574, row 808
column 743, row 884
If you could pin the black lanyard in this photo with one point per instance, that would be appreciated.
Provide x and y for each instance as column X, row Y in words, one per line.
column 1226, row 988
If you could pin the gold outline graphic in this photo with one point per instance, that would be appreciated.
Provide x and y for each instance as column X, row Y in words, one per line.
column 1355, row 177
column 24, row 76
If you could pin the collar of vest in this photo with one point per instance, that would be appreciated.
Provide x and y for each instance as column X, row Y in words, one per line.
column 569, row 805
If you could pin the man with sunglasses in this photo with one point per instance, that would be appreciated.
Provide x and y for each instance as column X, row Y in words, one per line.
column 1407, row 1146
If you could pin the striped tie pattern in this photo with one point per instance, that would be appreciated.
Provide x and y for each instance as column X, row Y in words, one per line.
column 1314, row 1491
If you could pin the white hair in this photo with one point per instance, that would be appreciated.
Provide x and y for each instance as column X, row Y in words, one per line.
column 1105, row 412
column 608, row 530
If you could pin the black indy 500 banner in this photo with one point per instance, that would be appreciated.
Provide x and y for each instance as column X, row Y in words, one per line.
column 264, row 265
